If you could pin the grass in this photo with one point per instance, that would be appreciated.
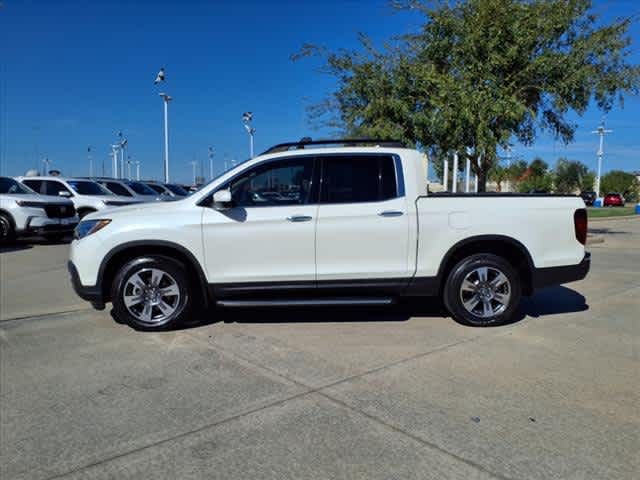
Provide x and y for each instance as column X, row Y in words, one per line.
column 610, row 211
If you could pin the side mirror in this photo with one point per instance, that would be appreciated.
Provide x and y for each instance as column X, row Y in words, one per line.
column 222, row 199
column 64, row 193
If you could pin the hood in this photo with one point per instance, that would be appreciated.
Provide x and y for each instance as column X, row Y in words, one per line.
column 119, row 200
column 37, row 198
column 115, row 211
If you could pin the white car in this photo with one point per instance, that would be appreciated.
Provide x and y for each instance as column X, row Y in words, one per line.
column 86, row 195
column 25, row 213
column 362, row 229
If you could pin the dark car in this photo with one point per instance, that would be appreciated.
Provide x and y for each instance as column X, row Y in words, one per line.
column 613, row 200
column 588, row 197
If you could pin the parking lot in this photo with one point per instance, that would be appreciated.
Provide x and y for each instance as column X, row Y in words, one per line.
column 401, row 392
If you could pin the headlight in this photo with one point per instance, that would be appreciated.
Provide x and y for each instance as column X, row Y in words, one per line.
column 87, row 227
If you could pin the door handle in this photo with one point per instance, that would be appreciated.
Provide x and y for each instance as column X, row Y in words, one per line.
column 299, row 218
column 391, row 213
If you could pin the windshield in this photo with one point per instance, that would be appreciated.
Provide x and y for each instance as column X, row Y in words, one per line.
column 141, row 188
column 157, row 188
column 221, row 174
column 177, row 189
column 9, row 185
column 85, row 187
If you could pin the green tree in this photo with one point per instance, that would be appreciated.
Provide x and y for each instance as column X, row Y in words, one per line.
column 621, row 182
column 498, row 174
column 588, row 182
column 570, row 176
column 536, row 177
column 479, row 73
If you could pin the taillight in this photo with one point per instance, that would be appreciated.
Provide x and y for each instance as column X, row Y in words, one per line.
column 580, row 225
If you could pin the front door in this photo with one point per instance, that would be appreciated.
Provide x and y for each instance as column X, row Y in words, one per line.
column 268, row 235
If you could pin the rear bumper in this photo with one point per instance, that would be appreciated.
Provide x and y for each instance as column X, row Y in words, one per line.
column 546, row 277
column 91, row 294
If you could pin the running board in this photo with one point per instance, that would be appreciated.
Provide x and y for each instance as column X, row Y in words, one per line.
column 311, row 302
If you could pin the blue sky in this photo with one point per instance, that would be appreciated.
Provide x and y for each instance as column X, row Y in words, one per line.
column 74, row 73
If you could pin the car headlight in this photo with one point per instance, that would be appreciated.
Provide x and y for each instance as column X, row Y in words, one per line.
column 87, row 227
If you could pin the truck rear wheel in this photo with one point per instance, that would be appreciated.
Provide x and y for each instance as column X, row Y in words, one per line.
column 483, row 290
column 151, row 293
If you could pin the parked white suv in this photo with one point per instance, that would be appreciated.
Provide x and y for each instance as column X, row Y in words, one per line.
column 25, row 213
column 349, row 225
column 86, row 195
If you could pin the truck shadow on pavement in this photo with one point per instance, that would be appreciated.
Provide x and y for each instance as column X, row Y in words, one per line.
column 550, row 301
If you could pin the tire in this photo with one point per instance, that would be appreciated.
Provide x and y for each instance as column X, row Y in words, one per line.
column 483, row 290
column 157, row 312
column 7, row 232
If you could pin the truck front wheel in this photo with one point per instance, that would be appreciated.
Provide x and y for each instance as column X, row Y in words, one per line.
column 483, row 290
column 151, row 293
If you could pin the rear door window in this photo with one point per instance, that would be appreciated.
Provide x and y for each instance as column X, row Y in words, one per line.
column 358, row 179
column 54, row 188
column 35, row 185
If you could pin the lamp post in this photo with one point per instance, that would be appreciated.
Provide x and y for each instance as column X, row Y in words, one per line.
column 129, row 168
column 90, row 161
column 47, row 164
column 210, row 162
column 137, row 162
column 114, row 158
column 193, row 166
column 166, row 98
column 247, row 118
column 601, row 133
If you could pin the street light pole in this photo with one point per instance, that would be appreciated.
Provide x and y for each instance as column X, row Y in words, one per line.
column 166, row 98
column 114, row 158
column 47, row 165
column 247, row 118
column 601, row 133
column 193, row 165
column 90, row 161
column 137, row 170
column 210, row 162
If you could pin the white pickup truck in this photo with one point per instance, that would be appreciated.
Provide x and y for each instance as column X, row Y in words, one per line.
column 306, row 225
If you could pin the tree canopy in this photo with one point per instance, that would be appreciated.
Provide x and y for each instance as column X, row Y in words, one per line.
column 479, row 74
column 621, row 182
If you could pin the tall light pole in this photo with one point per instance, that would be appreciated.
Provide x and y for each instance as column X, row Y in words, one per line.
column 247, row 118
column 210, row 162
column 193, row 166
column 454, row 174
column 90, row 161
column 123, row 145
column 47, row 164
column 129, row 168
column 137, row 162
column 166, row 98
column 601, row 133
column 114, row 157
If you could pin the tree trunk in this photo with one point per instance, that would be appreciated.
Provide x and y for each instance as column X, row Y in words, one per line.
column 482, row 180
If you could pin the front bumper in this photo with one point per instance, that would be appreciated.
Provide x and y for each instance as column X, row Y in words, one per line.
column 42, row 225
column 546, row 277
column 91, row 294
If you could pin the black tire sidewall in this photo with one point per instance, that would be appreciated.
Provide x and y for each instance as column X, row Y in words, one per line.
column 458, row 273
column 166, row 264
column 7, row 226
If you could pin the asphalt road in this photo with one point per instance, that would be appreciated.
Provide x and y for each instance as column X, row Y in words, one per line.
column 357, row 394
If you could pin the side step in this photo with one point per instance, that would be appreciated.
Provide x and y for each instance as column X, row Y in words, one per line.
column 310, row 302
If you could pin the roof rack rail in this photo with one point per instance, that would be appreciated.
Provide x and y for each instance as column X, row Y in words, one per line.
column 306, row 141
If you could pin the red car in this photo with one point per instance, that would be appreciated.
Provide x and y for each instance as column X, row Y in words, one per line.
column 613, row 200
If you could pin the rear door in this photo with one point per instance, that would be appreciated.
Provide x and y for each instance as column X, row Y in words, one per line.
column 363, row 226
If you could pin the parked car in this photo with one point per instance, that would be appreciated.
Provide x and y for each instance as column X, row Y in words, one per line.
column 87, row 196
column 588, row 197
column 25, row 213
column 613, row 200
column 168, row 189
column 130, row 188
column 361, row 231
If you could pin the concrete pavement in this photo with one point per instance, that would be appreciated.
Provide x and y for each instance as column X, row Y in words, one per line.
column 348, row 393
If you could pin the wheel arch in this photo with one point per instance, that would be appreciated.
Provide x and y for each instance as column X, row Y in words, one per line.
column 506, row 247
column 121, row 254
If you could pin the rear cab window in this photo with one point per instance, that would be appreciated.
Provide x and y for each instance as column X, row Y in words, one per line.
column 358, row 179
